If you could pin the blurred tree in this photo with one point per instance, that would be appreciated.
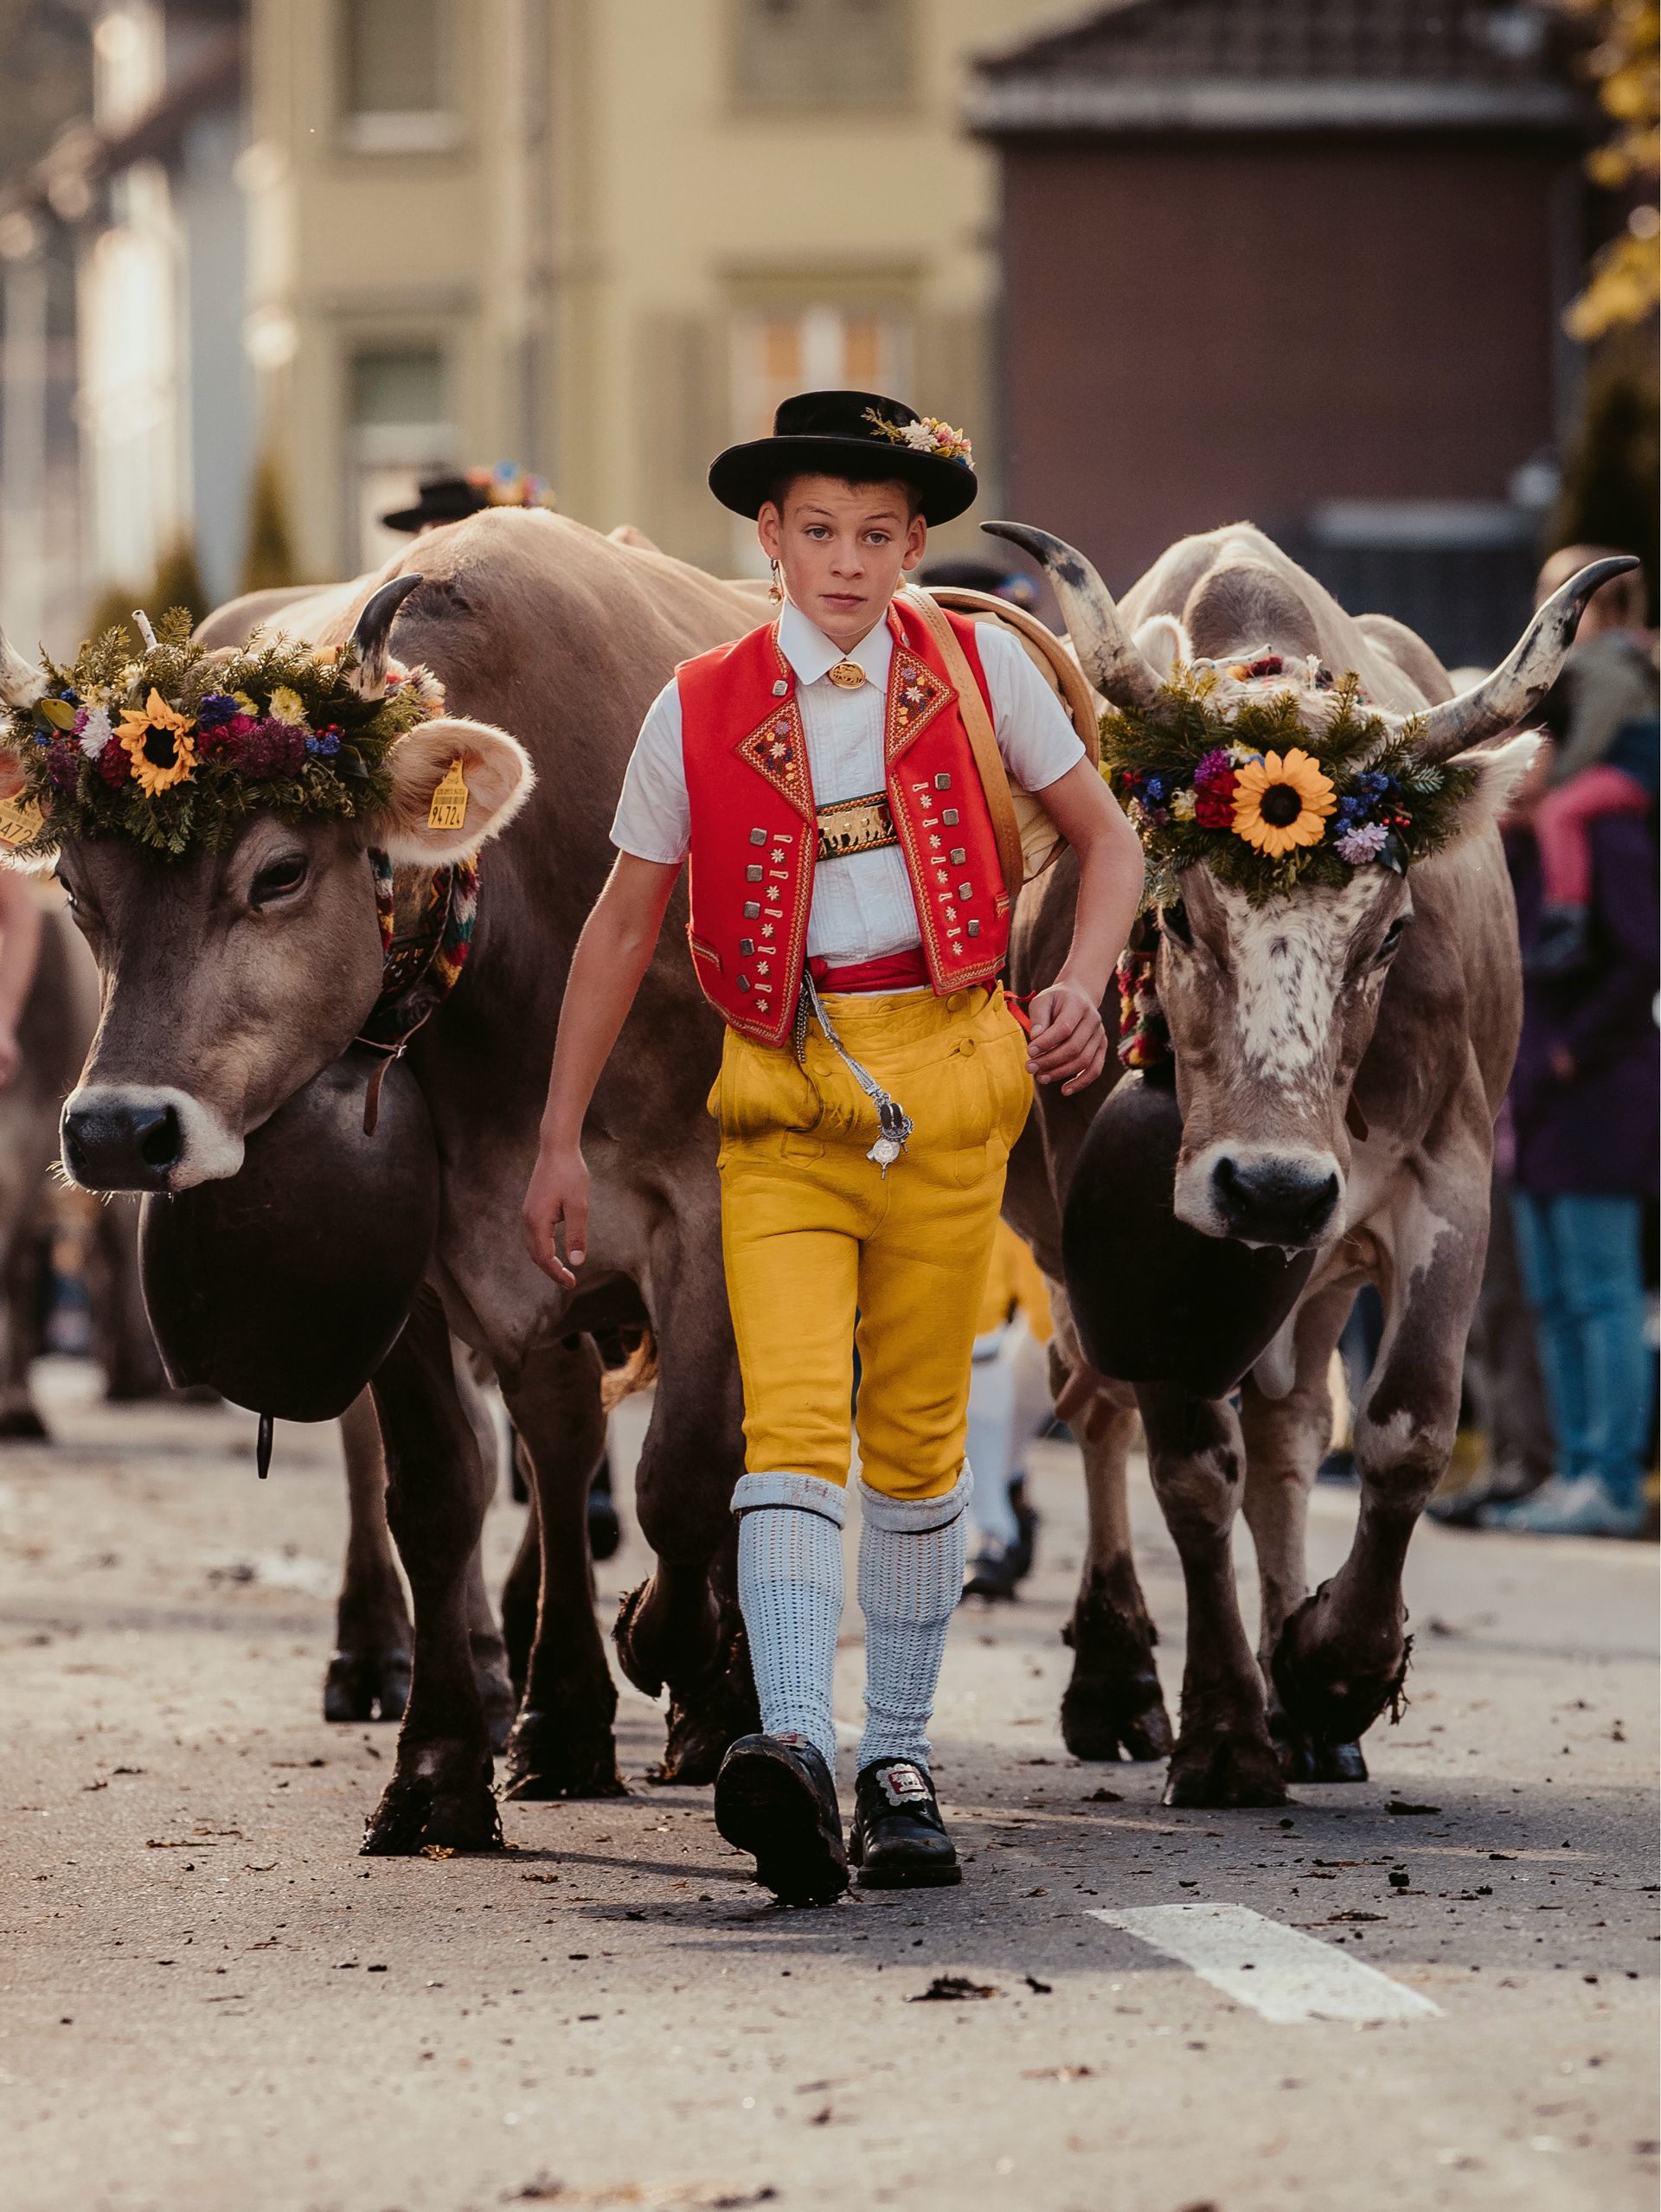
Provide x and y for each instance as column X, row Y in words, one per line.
column 177, row 580
column 269, row 560
column 113, row 610
column 1610, row 492
column 46, row 76
column 1623, row 282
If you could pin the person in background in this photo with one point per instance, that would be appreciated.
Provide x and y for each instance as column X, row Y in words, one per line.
column 988, row 576
column 19, row 950
column 1602, row 710
column 452, row 497
column 1584, row 1108
column 1010, row 1404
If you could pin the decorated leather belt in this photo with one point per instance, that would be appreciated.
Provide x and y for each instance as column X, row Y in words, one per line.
column 855, row 825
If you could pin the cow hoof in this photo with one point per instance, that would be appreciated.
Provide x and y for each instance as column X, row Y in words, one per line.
column 1311, row 1759
column 637, row 1668
column 1332, row 1694
column 367, row 1686
column 449, row 1807
column 551, row 1755
column 1218, row 1771
column 703, row 1721
column 1109, row 1720
column 23, row 1425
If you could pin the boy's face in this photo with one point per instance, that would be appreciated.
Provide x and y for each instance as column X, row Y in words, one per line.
column 843, row 548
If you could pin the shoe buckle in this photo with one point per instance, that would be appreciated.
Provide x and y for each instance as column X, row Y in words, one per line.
column 903, row 1785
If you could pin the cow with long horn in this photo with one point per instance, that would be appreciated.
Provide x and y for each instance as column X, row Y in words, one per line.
column 1336, row 968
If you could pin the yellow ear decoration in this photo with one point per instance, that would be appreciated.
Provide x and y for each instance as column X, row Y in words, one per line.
column 449, row 807
column 20, row 821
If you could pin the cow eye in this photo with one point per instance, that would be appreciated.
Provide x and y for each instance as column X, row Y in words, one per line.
column 1174, row 921
column 1392, row 938
column 279, row 879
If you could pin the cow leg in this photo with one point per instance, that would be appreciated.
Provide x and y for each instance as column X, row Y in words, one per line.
column 496, row 1685
column 1285, row 1440
column 1113, row 1707
column 521, row 1590
column 368, row 1674
column 1224, row 1755
column 682, row 1626
column 562, row 1745
column 20, row 1267
column 438, row 1490
column 1342, row 1657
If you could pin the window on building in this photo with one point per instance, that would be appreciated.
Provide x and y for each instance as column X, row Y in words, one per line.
column 397, row 68
column 399, row 429
column 839, row 55
column 823, row 347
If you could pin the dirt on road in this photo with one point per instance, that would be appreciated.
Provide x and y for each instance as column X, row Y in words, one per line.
column 210, row 2001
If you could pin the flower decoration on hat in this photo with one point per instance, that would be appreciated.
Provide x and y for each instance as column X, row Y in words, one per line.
column 1298, row 781
column 926, row 435
column 176, row 749
column 509, row 486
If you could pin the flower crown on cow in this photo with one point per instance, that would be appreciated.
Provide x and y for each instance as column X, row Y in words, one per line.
column 1264, row 801
column 173, row 746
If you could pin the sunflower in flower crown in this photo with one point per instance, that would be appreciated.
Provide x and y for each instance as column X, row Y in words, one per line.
column 1281, row 802
column 157, row 740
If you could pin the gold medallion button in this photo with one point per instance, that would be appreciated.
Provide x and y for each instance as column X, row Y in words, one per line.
column 847, row 676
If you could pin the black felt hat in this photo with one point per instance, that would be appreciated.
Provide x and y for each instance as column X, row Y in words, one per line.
column 859, row 435
column 443, row 499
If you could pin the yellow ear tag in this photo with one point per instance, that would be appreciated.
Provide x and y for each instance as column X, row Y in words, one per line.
column 20, row 821
column 449, row 807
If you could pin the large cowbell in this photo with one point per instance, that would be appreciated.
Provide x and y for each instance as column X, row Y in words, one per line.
column 285, row 1286
column 1153, row 1300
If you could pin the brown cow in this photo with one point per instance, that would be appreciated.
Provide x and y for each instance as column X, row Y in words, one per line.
column 1391, row 1006
column 219, row 1004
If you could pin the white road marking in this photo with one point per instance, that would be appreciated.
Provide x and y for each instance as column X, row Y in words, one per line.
column 1287, row 1977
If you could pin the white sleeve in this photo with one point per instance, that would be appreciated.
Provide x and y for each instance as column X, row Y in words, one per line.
column 654, row 817
column 1035, row 734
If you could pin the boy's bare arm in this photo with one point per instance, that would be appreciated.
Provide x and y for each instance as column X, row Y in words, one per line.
column 1068, row 1039
column 612, row 954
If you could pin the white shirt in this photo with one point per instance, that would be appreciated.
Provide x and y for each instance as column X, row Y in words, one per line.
column 863, row 906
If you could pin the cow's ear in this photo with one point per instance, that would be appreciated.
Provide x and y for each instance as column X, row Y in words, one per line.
column 1162, row 641
column 454, row 784
column 1499, row 769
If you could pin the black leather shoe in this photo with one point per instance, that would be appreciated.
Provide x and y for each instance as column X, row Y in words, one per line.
column 993, row 1572
column 899, row 1840
column 778, row 1800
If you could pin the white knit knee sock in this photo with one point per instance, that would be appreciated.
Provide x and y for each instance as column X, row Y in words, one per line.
column 790, row 1589
column 911, row 1562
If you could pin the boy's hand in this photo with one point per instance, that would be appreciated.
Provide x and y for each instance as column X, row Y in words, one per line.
column 1069, row 1044
column 557, row 1192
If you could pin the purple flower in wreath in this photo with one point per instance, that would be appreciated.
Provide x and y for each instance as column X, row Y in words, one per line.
column 325, row 743
column 217, row 708
column 1362, row 844
column 63, row 764
column 1214, row 767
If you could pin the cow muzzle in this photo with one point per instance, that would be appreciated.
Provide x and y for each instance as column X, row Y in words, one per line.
column 1260, row 1195
column 138, row 1136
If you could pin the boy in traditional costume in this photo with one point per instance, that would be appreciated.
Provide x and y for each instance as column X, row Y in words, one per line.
column 850, row 922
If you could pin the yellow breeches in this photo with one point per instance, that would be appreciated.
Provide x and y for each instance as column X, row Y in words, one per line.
column 814, row 1233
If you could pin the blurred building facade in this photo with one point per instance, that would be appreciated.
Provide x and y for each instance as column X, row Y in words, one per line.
column 126, row 399
column 603, row 238
column 1302, row 264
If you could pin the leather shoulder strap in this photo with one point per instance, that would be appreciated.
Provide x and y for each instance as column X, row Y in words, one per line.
column 983, row 741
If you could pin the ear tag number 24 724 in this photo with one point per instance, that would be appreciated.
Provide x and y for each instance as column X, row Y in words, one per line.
column 449, row 807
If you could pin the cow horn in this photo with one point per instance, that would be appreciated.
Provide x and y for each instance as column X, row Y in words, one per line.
column 21, row 682
column 366, row 648
column 1113, row 664
column 1516, row 687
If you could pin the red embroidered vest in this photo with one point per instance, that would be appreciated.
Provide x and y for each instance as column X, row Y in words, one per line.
column 754, row 826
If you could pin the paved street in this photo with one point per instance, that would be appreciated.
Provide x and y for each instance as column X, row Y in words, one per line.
column 210, row 2001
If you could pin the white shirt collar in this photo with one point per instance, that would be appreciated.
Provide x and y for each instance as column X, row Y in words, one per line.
column 811, row 653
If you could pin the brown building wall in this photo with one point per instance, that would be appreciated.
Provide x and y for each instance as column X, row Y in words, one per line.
column 1197, row 334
